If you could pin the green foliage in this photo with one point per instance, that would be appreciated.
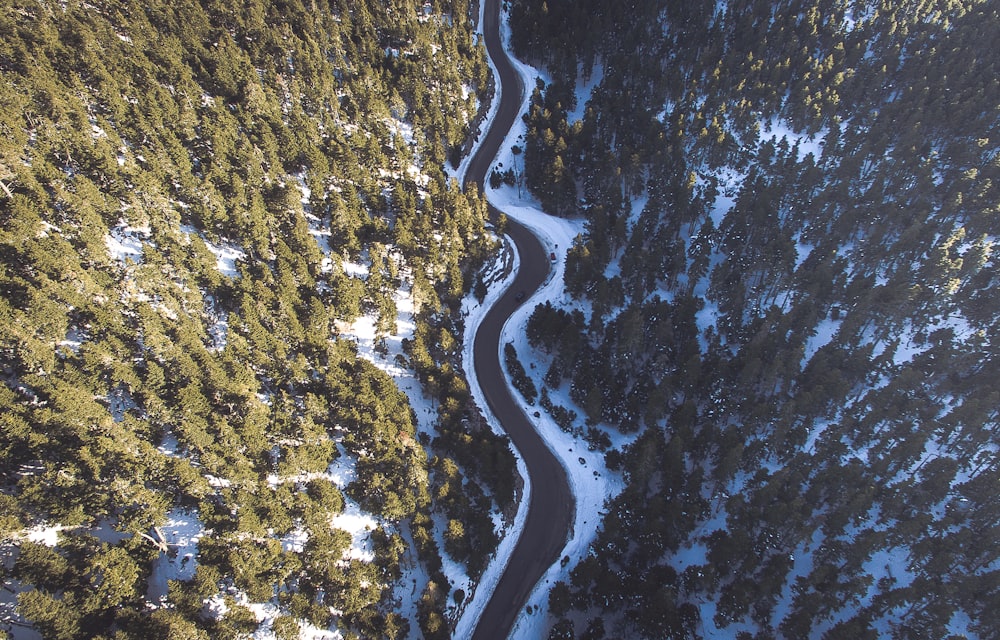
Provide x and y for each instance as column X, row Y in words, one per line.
column 519, row 377
column 55, row 617
column 137, row 383
column 166, row 624
column 432, row 623
column 285, row 628
column 475, row 472
column 550, row 141
column 81, row 585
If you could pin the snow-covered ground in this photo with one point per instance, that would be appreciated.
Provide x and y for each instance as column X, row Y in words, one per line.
column 181, row 533
column 125, row 242
column 226, row 253
column 363, row 333
column 777, row 129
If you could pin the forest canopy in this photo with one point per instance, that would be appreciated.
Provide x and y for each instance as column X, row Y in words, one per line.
column 785, row 291
column 184, row 185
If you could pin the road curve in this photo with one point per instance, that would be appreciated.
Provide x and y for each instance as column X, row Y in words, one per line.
column 551, row 505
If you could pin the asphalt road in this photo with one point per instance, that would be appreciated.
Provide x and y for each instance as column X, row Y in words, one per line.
column 551, row 503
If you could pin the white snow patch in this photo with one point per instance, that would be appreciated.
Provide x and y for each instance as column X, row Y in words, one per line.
column 169, row 445
column 405, row 129
column 321, row 234
column 355, row 270
column 802, row 566
column 124, row 242
column 802, row 251
column 75, row 337
column 584, row 89
column 218, row 483
column 720, row 207
column 706, row 318
column 181, row 532
column 778, row 129
column 959, row 625
column 226, row 256
column 267, row 612
column 120, row 402
column 219, row 332
column 304, row 190
column 295, row 540
column 360, row 525
column 825, row 331
column 46, row 534
column 908, row 346
column 226, row 253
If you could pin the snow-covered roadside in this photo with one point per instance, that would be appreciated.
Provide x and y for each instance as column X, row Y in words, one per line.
column 590, row 483
column 475, row 312
column 491, row 113
column 591, row 487
column 362, row 332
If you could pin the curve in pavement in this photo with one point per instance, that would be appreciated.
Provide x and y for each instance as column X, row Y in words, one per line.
column 551, row 504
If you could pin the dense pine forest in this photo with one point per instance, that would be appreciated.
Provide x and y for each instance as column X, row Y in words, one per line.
column 787, row 291
column 198, row 199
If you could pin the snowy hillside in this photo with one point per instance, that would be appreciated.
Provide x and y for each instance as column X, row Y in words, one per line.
column 783, row 290
column 231, row 275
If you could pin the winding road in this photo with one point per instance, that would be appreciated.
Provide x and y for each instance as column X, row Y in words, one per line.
column 551, row 505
